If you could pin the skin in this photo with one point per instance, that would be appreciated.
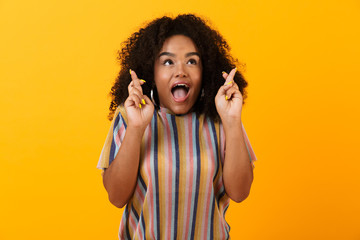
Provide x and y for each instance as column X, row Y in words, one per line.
column 178, row 61
column 237, row 169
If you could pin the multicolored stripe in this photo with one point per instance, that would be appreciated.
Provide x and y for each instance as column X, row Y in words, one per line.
column 179, row 192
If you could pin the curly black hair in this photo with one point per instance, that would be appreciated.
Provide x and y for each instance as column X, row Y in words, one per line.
column 141, row 49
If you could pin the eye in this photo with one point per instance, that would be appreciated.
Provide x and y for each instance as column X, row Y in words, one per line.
column 192, row 61
column 167, row 62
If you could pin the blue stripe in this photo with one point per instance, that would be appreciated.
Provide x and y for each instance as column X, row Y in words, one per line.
column 126, row 211
column 227, row 229
column 143, row 225
column 193, row 190
column 142, row 182
column 157, row 205
column 171, row 138
column 221, row 193
column 152, row 169
column 142, row 185
column 143, row 189
column 113, row 143
column 135, row 213
column 123, row 120
column 119, row 121
column 197, row 176
column 214, row 148
column 176, row 147
column 214, row 141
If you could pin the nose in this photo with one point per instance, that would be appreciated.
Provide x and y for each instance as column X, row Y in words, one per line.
column 180, row 71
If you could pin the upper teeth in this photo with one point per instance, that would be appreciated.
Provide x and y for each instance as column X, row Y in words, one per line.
column 181, row 85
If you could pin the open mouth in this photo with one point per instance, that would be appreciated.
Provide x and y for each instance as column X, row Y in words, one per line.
column 180, row 92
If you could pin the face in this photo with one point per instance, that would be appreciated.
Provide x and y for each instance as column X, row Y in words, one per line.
column 177, row 73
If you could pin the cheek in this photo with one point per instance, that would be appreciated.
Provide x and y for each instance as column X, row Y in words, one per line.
column 161, row 76
column 198, row 79
column 198, row 74
column 160, row 81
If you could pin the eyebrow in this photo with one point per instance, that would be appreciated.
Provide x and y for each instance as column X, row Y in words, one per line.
column 173, row 55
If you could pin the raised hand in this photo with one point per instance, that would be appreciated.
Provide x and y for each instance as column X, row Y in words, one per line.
column 139, row 108
column 228, row 100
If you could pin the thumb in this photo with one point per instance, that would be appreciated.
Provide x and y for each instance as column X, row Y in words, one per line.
column 147, row 100
column 221, row 91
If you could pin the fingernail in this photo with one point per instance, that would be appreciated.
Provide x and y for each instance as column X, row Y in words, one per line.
column 223, row 72
column 235, row 69
column 139, row 105
column 143, row 101
column 229, row 82
column 226, row 98
column 130, row 71
column 143, row 80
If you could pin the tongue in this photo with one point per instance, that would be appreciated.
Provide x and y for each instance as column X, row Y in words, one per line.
column 179, row 92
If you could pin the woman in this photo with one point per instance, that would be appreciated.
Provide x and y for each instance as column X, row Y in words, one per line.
column 176, row 151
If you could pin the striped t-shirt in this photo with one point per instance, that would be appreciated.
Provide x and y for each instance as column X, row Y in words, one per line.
column 179, row 192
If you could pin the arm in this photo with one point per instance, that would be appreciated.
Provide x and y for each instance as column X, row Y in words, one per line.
column 120, row 177
column 237, row 169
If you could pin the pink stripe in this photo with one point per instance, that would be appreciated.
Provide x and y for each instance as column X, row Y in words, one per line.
column 218, row 186
column 221, row 228
column 118, row 137
column 138, row 231
column 122, row 227
column 210, row 172
column 189, row 180
column 170, row 181
column 147, row 160
column 187, row 171
column 168, row 176
column 139, row 194
column 222, row 143
column 132, row 223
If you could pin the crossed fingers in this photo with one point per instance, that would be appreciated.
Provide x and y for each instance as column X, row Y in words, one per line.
column 135, row 90
column 230, row 87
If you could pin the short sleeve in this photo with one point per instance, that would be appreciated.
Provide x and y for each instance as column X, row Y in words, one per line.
column 249, row 148
column 113, row 139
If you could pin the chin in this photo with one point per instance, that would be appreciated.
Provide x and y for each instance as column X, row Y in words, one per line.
column 180, row 110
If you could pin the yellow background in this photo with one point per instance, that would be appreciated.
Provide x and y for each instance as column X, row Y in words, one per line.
column 58, row 62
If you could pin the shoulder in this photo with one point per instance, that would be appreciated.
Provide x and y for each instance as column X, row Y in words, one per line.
column 120, row 114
